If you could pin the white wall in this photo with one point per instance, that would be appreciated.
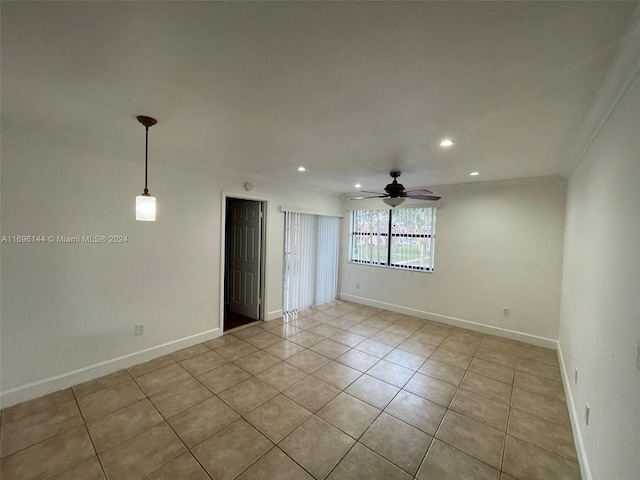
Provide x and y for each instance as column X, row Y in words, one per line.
column 600, row 314
column 498, row 244
column 66, row 307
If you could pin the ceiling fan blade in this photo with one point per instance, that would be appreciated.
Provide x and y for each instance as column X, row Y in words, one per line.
column 375, row 193
column 422, row 197
column 411, row 193
column 375, row 196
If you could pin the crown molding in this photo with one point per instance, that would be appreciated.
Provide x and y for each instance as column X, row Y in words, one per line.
column 624, row 69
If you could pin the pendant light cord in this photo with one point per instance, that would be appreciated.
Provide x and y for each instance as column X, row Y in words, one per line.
column 146, row 122
column 146, row 159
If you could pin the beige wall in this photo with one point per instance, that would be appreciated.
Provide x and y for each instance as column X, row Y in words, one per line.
column 498, row 244
column 68, row 310
column 600, row 313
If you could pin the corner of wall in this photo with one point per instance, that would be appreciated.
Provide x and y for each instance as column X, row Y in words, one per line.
column 273, row 315
column 583, row 461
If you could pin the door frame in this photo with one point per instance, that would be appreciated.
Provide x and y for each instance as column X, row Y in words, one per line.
column 263, row 250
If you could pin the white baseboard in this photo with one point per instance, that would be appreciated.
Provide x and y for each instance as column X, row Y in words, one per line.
column 39, row 388
column 457, row 322
column 273, row 315
column 575, row 418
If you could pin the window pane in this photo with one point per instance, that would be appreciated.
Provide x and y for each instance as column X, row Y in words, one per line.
column 411, row 252
column 370, row 221
column 416, row 221
column 369, row 236
column 412, row 245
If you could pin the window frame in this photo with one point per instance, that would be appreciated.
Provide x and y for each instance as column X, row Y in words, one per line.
column 389, row 235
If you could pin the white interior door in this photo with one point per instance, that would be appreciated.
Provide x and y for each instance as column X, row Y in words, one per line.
column 244, row 261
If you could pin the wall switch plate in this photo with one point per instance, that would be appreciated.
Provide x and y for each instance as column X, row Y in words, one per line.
column 587, row 411
column 575, row 376
column 506, row 311
column 139, row 329
column 358, row 286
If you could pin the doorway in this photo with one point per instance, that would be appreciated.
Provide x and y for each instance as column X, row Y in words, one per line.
column 243, row 266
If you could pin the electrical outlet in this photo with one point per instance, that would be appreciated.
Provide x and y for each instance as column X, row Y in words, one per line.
column 587, row 411
column 575, row 376
column 506, row 311
column 358, row 288
column 139, row 329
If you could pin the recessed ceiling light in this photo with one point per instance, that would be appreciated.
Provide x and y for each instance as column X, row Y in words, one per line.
column 301, row 169
column 473, row 174
column 357, row 185
column 446, row 142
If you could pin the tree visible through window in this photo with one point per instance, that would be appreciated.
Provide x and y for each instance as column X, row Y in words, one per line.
column 400, row 238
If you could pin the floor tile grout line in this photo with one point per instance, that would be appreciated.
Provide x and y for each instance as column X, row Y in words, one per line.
column 185, row 445
column 164, row 420
column 128, row 369
column 442, row 421
column 47, row 438
column 455, row 447
column 541, row 418
column 506, row 433
column 544, row 448
column 313, row 414
column 424, row 457
column 129, row 377
column 188, row 449
column 86, row 428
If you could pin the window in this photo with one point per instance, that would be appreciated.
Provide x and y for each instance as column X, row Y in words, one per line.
column 399, row 238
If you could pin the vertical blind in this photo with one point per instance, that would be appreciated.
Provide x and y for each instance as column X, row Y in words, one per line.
column 310, row 260
column 327, row 264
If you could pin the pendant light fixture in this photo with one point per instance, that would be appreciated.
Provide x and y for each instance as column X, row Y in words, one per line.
column 145, row 203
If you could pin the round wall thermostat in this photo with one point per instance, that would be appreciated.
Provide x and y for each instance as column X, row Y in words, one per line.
column 248, row 186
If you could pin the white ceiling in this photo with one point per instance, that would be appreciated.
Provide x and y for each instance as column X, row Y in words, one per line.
column 349, row 90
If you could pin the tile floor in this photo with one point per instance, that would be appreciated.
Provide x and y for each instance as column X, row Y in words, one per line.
column 342, row 391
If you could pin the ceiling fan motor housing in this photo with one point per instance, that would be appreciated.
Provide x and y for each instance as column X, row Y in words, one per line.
column 394, row 189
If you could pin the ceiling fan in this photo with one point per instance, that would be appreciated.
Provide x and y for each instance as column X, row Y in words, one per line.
column 396, row 194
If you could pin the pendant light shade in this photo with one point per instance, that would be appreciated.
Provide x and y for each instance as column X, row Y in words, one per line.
column 145, row 203
column 146, row 208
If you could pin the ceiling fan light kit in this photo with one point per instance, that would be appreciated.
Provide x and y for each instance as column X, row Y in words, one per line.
column 396, row 193
column 393, row 202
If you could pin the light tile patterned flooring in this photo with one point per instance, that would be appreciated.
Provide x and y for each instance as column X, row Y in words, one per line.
column 342, row 391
